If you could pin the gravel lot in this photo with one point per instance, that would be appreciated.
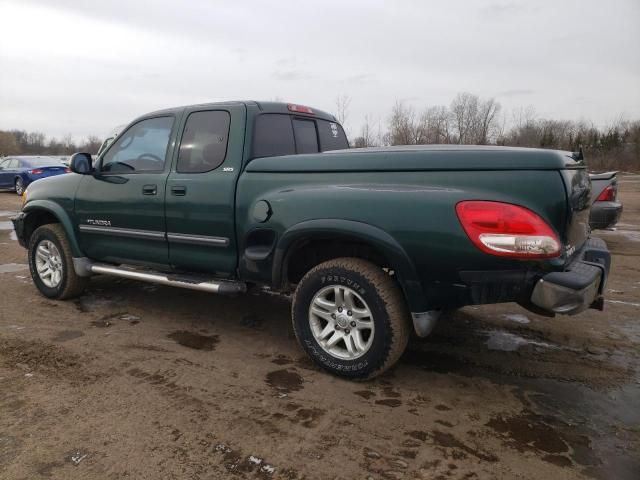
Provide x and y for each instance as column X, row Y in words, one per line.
column 138, row 381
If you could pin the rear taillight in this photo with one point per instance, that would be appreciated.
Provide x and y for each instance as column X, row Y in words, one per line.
column 507, row 230
column 67, row 170
column 299, row 109
column 609, row 194
column 35, row 171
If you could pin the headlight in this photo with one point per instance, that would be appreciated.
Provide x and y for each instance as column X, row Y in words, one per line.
column 24, row 196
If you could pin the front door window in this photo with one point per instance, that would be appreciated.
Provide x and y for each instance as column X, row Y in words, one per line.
column 142, row 148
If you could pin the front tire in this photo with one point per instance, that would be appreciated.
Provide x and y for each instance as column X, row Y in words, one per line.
column 351, row 318
column 19, row 185
column 51, row 264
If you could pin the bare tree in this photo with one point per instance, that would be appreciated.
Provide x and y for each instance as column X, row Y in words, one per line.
column 367, row 137
column 342, row 108
column 435, row 126
column 91, row 144
column 464, row 111
column 8, row 144
column 402, row 125
column 487, row 122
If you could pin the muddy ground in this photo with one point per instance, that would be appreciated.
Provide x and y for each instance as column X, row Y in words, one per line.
column 138, row 381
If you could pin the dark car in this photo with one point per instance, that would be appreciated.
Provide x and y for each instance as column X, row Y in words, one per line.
column 16, row 173
column 605, row 208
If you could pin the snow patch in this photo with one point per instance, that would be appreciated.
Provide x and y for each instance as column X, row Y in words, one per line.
column 510, row 342
column 517, row 317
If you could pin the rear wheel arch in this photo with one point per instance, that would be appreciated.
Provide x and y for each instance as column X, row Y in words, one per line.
column 327, row 239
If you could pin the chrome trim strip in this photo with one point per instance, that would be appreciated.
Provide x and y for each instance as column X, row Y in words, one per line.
column 123, row 232
column 198, row 239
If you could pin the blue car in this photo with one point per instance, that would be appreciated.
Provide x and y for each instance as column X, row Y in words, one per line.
column 16, row 173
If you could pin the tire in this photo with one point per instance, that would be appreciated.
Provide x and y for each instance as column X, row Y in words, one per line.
column 68, row 285
column 19, row 186
column 366, row 288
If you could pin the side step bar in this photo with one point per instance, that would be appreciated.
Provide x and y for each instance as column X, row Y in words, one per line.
column 172, row 280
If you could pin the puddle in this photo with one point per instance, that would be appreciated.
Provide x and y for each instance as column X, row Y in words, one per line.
column 527, row 431
column 447, row 440
column 13, row 267
column 282, row 360
column 389, row 402
column 6, row 226
column 194, row 340
column 285, row 381
column 13, row 235
column 366, row 394
column 598, row 426
column 510, row 342
column 517, row 317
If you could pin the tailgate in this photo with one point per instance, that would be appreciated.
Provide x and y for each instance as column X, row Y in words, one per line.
column 578, row 188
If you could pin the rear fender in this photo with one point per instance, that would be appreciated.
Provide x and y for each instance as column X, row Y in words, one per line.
column 356, row 231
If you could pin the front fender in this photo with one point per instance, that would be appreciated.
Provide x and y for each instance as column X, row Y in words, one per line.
column 359, row 231
column 63, row 218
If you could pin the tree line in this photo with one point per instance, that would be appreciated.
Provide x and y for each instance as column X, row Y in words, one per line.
column 21, row 142
column 472, row 120
column 468, row 120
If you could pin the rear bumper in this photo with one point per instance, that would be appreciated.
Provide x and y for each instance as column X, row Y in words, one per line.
column 580, row 286
column 604, row 214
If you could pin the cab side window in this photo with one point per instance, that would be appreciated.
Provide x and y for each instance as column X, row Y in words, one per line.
column 142, row 148
column 204, row 142
column 4, row 165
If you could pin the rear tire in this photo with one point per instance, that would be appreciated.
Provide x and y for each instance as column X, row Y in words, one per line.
column 19, row 186
column 351, row 318
column 51, row 263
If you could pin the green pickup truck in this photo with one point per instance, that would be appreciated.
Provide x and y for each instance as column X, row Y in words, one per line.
column 372, row 242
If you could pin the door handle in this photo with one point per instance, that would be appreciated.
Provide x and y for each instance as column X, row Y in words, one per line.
column 149, row 189
column 179, row 190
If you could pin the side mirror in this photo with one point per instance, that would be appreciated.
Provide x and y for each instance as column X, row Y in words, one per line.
column 81, row 163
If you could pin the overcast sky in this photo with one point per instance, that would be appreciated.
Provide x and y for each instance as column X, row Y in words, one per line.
column 83, row 67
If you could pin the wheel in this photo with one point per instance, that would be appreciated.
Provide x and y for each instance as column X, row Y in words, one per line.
column 51, row 263
column 350, row 317
column 19, row 186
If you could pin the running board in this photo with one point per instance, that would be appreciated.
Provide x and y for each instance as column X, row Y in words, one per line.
column 172, row 280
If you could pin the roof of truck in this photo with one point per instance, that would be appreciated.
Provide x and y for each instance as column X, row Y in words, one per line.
column 264, row 107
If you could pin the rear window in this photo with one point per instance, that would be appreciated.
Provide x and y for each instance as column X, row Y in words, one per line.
column 43, row 162
column 305, row 135
column 281, row 134
column 273, row 136
column 332, row 136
